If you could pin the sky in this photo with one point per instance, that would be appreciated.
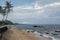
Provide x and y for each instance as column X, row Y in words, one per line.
column 34, row 11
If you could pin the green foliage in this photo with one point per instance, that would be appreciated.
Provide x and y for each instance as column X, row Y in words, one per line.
column 5, row 10
column 6, row 22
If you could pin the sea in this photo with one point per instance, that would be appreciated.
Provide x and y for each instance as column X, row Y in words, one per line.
column 52, row 30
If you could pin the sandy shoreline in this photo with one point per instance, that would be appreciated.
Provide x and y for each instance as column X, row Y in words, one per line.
column 14, row 34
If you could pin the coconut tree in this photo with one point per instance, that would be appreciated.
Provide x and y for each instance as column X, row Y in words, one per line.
column 5, row 10
column 0, row 9
column 2, row 12
column 8, row 8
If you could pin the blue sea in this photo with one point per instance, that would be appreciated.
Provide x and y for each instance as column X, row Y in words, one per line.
column 43, row 29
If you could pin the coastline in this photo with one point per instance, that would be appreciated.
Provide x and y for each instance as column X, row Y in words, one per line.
column 16, row 34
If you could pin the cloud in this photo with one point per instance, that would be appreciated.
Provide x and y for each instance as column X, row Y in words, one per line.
column 44, row 2
column 35, row 13
column 37, row 6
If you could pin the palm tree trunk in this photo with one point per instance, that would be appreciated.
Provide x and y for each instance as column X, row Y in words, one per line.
column 6, row 16
column 3, row 18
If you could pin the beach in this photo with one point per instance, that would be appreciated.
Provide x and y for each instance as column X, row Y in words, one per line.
column 15, row 34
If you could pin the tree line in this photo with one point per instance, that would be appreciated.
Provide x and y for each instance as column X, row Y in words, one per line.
column 4, row 11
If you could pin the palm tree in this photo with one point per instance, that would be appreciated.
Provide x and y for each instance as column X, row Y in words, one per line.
column 8, row 8
column 2, row 11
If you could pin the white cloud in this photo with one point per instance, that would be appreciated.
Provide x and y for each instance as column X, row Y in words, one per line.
column 25, row 22
column 52, row 5
column 44, row 2
column 37, row 6
column 47, row 5
column 37, row 12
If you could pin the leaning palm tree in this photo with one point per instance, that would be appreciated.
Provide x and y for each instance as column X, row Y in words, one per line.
column 2, row 12
column 8, row 8
column 0, row 9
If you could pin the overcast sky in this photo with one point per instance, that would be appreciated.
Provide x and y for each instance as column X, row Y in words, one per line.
column 34, row 11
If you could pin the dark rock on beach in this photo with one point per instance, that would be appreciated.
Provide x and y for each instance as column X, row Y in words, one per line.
column 57, row 30
column 47, row 33
column 37, row 26
column 55, row 34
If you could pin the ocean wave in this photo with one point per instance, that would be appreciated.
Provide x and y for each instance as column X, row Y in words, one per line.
column 44, row 35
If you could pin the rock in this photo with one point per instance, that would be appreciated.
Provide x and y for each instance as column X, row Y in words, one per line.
column 34, row 26
column 55, row 34
column 47, row 33
column 57, row 30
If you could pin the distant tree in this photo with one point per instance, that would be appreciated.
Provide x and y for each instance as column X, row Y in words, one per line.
column 8, row 8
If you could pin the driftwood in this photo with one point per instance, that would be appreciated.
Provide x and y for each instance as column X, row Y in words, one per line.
column 3, row 29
